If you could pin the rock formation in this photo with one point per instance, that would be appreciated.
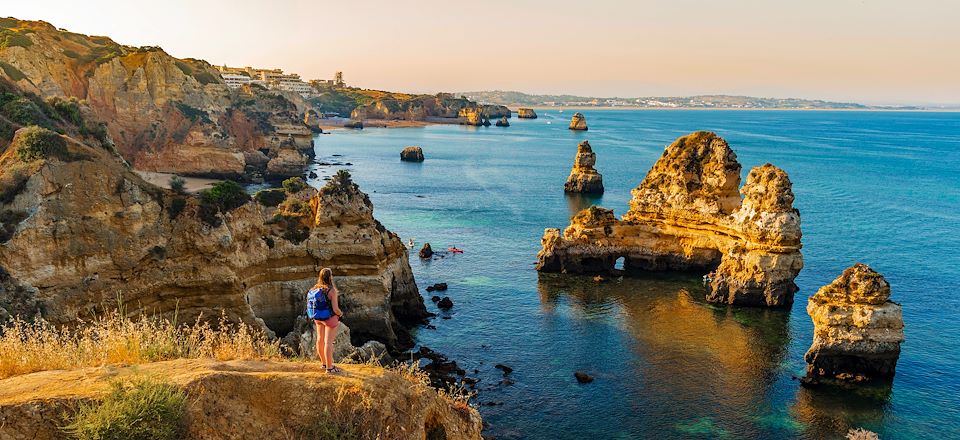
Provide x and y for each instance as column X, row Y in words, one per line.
column 526, row 113
column 88, row 233
column 857, row 330
column 412, row 154
column 503, row 122
column 397, row 106
column 687, row 215
column 426, row 251
column 162, row 113
column 578, row 122
column 474, row 116
column 249, row 399
column 358, row 124
column 583, row 177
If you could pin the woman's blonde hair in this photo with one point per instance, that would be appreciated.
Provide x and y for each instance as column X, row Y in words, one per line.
column 325, row 279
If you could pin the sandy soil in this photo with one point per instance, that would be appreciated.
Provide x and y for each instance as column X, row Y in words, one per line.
column 193, row 184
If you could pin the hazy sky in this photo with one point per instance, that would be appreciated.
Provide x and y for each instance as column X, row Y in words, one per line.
column 875, row 51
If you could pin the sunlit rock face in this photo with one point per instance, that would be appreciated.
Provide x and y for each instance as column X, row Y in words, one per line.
column 857, row 329
column 578, row 122
column 687, row 215
column 584, row 178
column 526, row 113
column 96, row 236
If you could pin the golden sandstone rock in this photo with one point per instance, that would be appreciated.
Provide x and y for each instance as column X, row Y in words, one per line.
column 687, row 215
column 526, row 113
column 583, row 177
column 578, row 122
column 857, row 330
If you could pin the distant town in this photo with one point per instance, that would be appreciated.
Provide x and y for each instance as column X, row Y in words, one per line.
column 276, row 79
column 513, row 99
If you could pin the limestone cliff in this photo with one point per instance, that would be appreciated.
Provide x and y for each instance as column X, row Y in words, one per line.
column 474, row 116
column 249, row 399
column 583, row 177
column 87, row 233
column 687, row 215
column 163, row 113
column 857, row 330
column 578, row 122
column 394, row 106
column 526, row 113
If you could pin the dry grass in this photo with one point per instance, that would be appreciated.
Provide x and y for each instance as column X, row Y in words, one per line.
column 862, row 434
column 27, row 347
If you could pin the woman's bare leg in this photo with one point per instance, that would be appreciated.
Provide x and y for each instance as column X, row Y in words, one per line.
column 330, row 333
column 319, row 330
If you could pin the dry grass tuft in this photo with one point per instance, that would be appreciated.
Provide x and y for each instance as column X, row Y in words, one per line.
column 27, row 347
column 862, row 434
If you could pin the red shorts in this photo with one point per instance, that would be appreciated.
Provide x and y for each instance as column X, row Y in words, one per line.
column 331, row 322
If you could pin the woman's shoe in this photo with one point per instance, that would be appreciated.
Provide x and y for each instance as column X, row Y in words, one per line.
column 334, row 370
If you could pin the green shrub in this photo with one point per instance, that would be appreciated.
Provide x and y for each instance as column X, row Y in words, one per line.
column 205, row 78
column 139, row 409
column 271, row 197
column 184, row 67
column 12, row 72
column 8, row 223
column 33, row 143
column 294, row 185
column 178, row 185
column 192, row 113
column 7, row 22
column 342, row 181
column 68, row 109
column 176, row 207
column 12, row 182
column 23, row 111
column 226, row 195
column 11, row 38
column 71, row 54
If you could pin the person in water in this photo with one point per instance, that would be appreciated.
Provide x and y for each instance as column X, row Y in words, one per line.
column 327, row 329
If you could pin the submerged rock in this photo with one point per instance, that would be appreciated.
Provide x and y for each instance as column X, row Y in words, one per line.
column 687, row 215
column 578, row 122
column 583, row 177
column 857, row 330
column 412, row 154
column 526, row 113
column 583, row 377
column 503, row 122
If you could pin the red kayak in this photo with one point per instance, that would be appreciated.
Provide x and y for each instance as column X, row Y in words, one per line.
column 455, row 250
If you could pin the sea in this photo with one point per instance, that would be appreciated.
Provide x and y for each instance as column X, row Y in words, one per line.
column 881, row 188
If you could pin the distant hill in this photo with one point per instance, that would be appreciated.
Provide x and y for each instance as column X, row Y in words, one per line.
column 511, row 98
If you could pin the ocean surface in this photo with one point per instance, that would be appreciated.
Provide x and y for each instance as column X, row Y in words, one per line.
column 882, row 188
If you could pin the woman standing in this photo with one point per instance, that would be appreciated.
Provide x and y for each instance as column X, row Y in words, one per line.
column 326, row 328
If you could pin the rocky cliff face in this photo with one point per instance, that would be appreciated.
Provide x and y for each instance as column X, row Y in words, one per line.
column 163, row 113
column 526, row 113
column 88, row 234
column 249, row 399
column 857, row 330
column 687, row 215
column 583, row 177
column 578, row 122
column 474, row 116
column 423, row 107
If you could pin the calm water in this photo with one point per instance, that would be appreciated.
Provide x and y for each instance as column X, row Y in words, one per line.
column 880, row 188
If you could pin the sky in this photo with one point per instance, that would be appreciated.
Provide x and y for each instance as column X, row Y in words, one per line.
column 869, row 51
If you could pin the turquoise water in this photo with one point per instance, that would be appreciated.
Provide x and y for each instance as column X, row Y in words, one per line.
column 880, row 188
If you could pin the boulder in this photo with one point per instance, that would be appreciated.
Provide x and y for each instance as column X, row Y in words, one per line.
column 578, row 122
column 687, row 215
column 412, row 154
column 526, row 113
column 426, row 251
column 445, row 303
column 503, row 122
column 857, row 330
column 583, row 177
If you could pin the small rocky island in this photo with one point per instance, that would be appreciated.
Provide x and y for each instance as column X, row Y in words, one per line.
column 412, row 154
column 474, row 116
column 687, row 215
column 503, row 122
column 526, row 113
column 578, row 122
column 857, row 330
column 583, row 177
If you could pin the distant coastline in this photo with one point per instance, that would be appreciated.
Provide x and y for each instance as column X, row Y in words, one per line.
column 867, row 109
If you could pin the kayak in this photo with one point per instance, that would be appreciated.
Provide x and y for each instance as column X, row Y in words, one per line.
column 455, row 250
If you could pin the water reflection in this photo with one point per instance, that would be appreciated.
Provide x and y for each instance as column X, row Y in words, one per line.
column 578, row 202
column 699, row 370
column 828, row 410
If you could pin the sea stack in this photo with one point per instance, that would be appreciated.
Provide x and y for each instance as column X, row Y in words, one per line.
column 412, row 154
column 526, row 113
column 426, row 251
column 857, row 330
column 578, row 122
column 687, row 215
column 474, row 116
column 503, row 122
column 583, row 177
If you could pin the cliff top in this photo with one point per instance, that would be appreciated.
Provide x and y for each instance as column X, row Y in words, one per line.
column 858, row 284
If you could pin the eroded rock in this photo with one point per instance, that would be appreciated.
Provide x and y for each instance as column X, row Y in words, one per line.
column 857, row 330
column 687, row 215
column 526, row 113
column 584, row 178
column 412, row 154
column 503, row 122
column 578, row 122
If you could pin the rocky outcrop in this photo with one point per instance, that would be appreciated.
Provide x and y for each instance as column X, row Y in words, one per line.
column 857, row 330
column 426, row 251
column 249, row 399
column 578, row 122
column 687, row 215
column 503, row 122
column 474, row 116
column 583, row 177
column 163, row 114
column 397, row 106
column 526, row 113
column 95, row 236
column 358, row 124
column 412, row 154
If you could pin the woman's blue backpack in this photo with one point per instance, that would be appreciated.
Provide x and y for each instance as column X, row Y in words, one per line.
column 318, row 305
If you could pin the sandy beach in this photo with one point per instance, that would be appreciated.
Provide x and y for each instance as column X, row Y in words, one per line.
column 193, row 184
